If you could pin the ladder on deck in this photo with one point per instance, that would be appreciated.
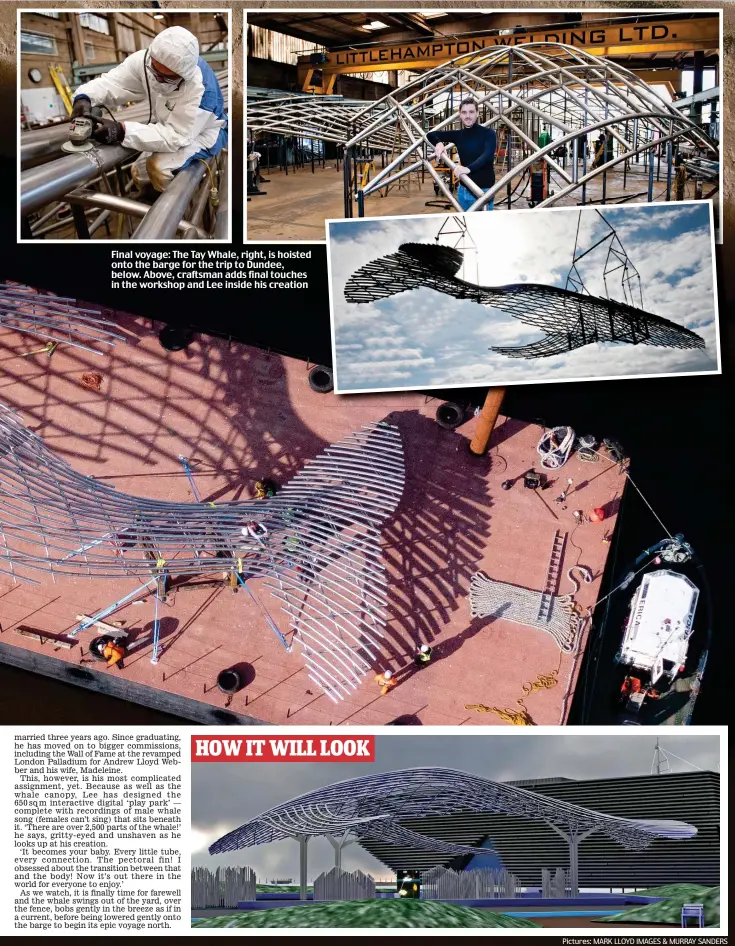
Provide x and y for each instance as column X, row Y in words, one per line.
column 553, row 573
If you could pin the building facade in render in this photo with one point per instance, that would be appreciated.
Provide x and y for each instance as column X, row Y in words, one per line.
column 524, row 846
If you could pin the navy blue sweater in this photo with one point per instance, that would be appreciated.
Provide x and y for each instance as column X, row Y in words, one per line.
column 476, row 148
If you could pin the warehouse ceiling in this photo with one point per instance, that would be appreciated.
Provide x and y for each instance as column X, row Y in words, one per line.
column 352, row 29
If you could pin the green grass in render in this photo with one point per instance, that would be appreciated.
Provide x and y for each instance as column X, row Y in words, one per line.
column 669, row 910
column 366, row 913
column 675, row 890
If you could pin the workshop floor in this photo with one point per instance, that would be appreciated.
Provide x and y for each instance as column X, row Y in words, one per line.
column 240, row 414
column 295, row 205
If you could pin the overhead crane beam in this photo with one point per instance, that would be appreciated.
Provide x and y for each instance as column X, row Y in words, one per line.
column 612, row 41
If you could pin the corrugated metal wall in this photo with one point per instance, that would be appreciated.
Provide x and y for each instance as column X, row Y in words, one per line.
column 266, row 44
column 277, row 47
column 525, row 847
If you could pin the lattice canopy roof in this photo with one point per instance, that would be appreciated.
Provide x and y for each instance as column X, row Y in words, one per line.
column 373, row 806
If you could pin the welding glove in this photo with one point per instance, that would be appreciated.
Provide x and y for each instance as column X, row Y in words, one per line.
column 159, row 175
column 82, row 107
column 108, row 132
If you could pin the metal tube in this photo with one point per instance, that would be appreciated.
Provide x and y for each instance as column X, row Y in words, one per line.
column 347, row 181
column 80, row 222
column 223, row 211
column 131, row 208
column 98, row 221
column 162, row 220
column 200, row 203
column 57, row 208
column 40, row 185
column 650, row 174
column 55, row 225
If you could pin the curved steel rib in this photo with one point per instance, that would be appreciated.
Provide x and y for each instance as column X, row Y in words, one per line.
column 316, row 544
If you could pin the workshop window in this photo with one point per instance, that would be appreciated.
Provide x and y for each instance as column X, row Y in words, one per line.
column 38, row 43
column 89, row 52
column 54, row 14
column 126, row 39
column 93, row 22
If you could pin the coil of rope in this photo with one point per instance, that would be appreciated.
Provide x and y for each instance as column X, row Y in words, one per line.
column 555, row 446
column 519, row 717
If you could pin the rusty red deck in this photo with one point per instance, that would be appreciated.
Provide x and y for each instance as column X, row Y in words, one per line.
column 239, row 414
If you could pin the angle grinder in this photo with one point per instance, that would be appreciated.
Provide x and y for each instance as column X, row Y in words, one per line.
column 80, row 136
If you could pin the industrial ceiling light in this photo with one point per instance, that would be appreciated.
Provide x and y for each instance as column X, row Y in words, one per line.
column 375, row 25
column 158, row 16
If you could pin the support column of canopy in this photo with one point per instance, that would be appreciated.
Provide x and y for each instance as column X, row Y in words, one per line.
column 338, row 844
column 303, row 840
column 573, row 838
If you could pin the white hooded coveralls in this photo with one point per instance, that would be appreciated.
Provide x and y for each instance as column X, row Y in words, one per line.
column 187, row 119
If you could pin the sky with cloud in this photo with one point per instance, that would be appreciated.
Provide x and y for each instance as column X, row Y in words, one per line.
column 423, row 338
column 226, row 795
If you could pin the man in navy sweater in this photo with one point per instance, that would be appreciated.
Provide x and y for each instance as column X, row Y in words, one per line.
column 476, row 147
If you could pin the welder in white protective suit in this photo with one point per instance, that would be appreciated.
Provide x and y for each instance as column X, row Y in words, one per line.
column 186, row 119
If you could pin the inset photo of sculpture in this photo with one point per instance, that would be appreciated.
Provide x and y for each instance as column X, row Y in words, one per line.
column 569, row 295
column 455, row 830
column 366, row 114
column 124, row 128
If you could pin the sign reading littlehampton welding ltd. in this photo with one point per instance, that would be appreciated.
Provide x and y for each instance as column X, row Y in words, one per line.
column 283, row 749
column 636, row 38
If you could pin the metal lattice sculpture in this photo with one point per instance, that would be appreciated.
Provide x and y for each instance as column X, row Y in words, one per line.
column 316, row 543
column 373, row 806
column 320, row 117
column 56, row 318
column 519, row 89
column 569, row 319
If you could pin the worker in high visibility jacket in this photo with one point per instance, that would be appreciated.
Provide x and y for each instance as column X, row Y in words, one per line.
column 385, row 681
column 113, row 652
column 423, row 656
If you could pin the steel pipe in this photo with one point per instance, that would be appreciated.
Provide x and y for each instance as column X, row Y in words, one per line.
column 202, row 197
column 163, row 218
column 221, row 225
column 131, row 208
column 98, row 221
column 40, row 185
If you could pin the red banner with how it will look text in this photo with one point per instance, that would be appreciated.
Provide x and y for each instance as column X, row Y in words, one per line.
column 283, row 749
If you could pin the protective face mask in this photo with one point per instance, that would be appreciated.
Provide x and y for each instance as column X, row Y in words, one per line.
column 164, row 83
